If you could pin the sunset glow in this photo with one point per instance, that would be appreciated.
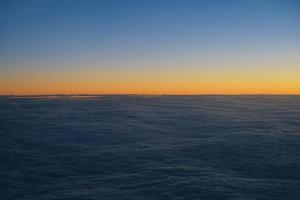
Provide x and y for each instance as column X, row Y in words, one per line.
column 159, row 47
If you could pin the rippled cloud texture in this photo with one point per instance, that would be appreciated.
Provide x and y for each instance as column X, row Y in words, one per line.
column 150, row 147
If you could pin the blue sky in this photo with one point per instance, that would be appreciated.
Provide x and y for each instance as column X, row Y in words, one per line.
column 133, row 35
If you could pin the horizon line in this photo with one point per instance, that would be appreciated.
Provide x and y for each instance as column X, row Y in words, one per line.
column 149, row 94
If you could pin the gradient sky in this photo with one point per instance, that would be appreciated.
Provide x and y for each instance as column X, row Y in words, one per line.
column 150, row 47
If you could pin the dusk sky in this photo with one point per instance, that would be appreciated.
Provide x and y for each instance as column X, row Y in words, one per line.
column 150, row 47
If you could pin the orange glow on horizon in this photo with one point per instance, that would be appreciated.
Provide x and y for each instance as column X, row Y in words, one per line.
column 180, row 82
column 176, row 88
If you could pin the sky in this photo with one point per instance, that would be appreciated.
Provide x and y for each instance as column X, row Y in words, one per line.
column 149, row 47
